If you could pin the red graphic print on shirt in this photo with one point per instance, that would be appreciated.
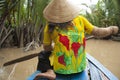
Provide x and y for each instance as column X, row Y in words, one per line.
column 84, row 42
column 61, row 60
column 64, row 40
column 75, row 47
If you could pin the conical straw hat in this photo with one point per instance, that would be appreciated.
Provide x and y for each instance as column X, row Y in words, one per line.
column 60, row 11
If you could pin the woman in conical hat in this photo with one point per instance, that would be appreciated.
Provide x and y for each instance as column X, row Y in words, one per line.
column 66, row 29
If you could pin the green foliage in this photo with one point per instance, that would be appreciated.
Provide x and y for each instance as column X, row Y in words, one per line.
column 25, row 17
column 30, row 21
column 6, row 8
column 2, row 5
column 105, row 13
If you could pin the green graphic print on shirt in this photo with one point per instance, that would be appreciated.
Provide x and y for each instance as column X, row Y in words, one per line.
column 70, row 53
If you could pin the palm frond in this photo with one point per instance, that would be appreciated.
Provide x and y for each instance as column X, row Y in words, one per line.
column 2, row 5
column 106, row 13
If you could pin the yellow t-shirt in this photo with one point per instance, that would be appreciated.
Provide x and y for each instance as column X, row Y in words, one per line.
column 68, row 55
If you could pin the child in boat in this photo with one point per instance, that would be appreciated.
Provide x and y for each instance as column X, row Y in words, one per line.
column 66, row 28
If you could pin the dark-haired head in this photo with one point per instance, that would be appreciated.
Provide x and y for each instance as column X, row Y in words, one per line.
column 60, row 25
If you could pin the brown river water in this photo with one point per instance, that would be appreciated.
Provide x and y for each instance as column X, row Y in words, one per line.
column 106, row 52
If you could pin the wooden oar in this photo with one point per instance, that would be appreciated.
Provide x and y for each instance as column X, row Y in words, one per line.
column 21, row 59
column 30, row 56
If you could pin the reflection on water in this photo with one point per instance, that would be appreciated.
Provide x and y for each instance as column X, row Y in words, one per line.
column 3, row 74
column 2, row 70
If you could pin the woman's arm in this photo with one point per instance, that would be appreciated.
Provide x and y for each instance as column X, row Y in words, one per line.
column 103, row 32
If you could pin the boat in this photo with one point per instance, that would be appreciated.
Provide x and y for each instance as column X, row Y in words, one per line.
column 96, row 71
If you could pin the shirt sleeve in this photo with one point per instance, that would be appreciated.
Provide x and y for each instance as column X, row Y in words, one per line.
column 87, row 26
column 46, row 36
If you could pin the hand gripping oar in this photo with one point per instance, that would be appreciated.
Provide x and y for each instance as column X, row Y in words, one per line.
column 21, row 59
